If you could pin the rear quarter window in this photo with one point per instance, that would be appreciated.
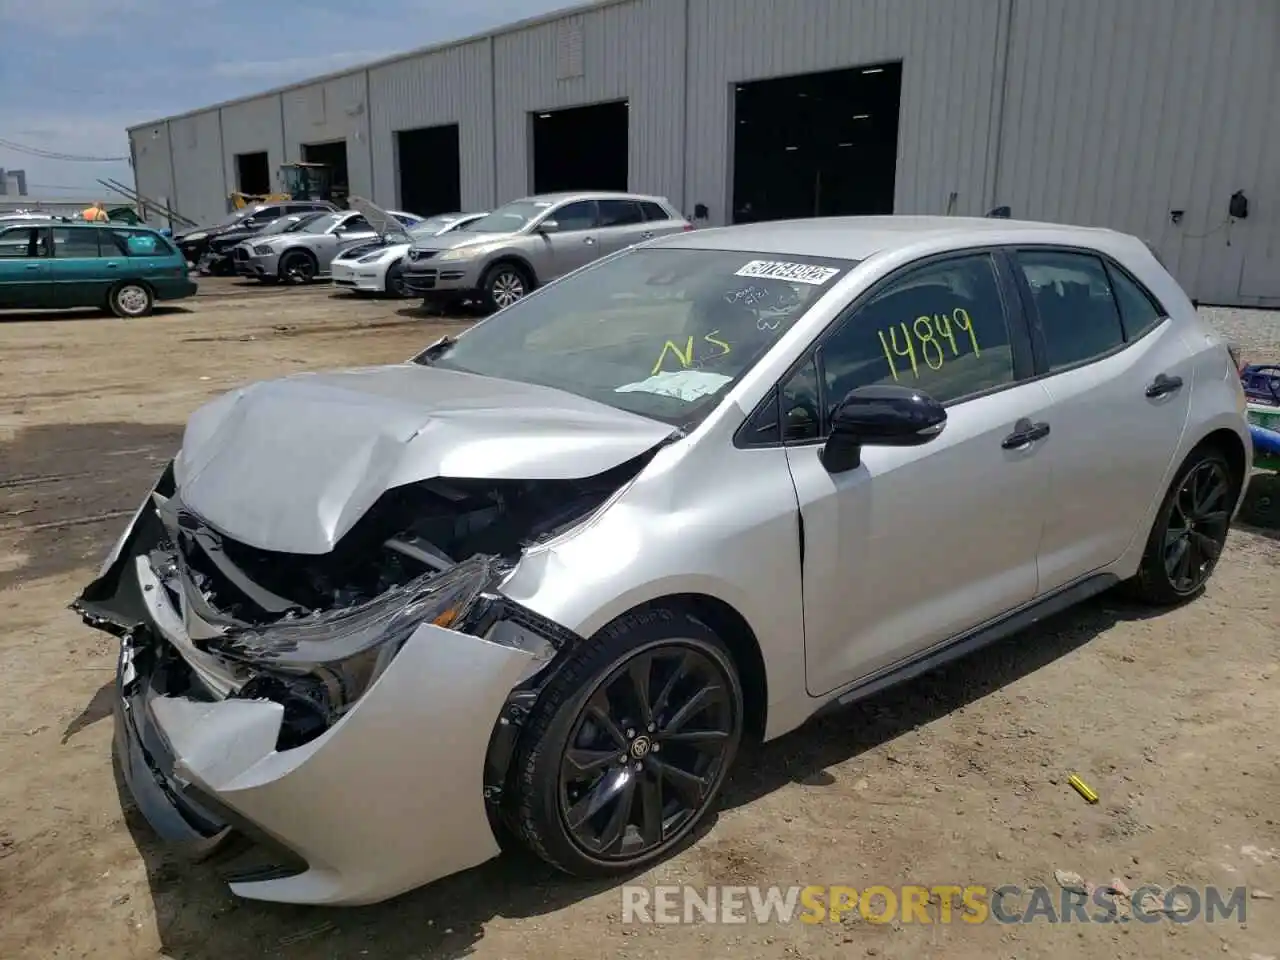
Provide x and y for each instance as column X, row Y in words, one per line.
column 654, row 211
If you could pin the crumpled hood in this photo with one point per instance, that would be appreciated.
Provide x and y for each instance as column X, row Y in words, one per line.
column 290, row 465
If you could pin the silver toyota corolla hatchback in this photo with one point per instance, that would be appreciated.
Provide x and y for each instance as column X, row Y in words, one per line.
column 542, row 579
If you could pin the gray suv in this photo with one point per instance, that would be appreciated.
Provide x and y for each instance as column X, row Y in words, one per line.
column 526, row 243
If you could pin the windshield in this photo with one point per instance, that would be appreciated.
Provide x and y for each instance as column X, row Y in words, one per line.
column 431, row 226
column 659, row 332
column 288, row 224
column 321, row 223
column 508, row 218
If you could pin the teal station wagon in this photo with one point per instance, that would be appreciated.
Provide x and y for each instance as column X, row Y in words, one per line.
column 124, row 269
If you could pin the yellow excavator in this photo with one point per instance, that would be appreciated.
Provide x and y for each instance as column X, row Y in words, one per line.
column 302, row 181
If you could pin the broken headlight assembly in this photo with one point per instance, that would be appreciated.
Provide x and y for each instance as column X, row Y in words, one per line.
column 317, row 666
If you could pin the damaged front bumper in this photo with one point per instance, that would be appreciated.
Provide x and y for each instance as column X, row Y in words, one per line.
column 397, row 791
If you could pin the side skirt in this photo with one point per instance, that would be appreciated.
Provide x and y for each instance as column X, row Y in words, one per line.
column 965, row 643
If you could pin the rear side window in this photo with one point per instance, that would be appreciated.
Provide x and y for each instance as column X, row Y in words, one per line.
column 1073, row 297
column 75, row 242
column 1139, row 311
column 654, row 211
column 137, row 243
column 620, row 213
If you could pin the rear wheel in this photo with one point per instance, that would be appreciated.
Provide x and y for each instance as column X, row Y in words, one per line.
column 130, row 300
column 1190, row 530
column 503, row 284
column 629, row 745
column 298, row 267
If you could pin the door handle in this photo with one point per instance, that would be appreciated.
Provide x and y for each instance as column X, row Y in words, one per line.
column 1024, row 434
column 33, row 266
column 647, row 235
column 1163, row 384
column 113, row 266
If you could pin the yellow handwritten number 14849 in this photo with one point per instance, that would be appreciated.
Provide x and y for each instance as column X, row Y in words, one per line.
column 931, row 333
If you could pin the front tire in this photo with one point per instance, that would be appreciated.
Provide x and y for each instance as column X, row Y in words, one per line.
column 1190, row 530
column 502, row 285
column 629, row 745
column 131, row 300
column 395, row 282
column 298, row 267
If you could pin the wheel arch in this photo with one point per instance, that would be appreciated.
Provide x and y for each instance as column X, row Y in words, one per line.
column 512, row 258
column 1230, row 444
column 731, row 627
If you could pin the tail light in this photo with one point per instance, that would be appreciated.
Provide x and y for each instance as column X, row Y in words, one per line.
column 687, row 227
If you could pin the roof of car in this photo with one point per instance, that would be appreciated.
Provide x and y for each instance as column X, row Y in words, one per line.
column 590, row 195
column 856, row 238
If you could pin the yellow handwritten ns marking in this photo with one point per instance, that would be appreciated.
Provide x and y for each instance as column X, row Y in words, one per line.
column 685, row 356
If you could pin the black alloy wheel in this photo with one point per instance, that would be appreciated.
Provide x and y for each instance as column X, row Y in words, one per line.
column 298, row 268
column 646, row 752
column 1197, row 528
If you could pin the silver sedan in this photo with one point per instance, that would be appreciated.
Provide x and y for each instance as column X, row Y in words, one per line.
column 551, row 572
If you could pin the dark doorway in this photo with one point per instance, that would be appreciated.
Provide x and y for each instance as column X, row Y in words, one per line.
column 816, row 145
column 253, row 173
column 334, row 156
column 581, row 148
column 430, row 170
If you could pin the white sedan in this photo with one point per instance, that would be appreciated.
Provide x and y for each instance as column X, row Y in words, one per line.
column 375, row 267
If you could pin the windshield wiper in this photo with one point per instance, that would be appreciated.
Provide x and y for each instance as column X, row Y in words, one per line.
column 435, row 351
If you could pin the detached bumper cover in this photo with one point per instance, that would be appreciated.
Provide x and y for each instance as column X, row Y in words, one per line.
column 356, row 276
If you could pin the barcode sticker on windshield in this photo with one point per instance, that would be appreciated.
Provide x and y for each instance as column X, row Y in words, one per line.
column 781, row 270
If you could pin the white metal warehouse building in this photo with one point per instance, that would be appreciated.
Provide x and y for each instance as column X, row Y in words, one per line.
column 1142, row 115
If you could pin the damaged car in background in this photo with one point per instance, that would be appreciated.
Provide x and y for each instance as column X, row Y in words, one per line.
column 539, row 582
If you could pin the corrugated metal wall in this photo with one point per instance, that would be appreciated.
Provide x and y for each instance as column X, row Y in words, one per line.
column 336, row 109
column 632, row 51
column 253, row 126
column 948, row 52
column 200, row 192
column 152, row 163
column 452, row 86
column 1108, row 112
column 1118, row 112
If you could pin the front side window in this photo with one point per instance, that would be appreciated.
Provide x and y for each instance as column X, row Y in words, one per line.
column 941, row 328
column 358, row 222
column 19, row 242
column 579, row 215
column 663, row 333
column 1072, row 295
column 75, row 242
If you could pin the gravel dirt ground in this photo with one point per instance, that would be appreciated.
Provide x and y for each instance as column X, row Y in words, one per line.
column 959, row 778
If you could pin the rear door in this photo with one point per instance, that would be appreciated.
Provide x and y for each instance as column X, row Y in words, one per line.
column 1120, row 377
column 24, row 267
column 622, row 224
column 576, row 242
column 81, row 271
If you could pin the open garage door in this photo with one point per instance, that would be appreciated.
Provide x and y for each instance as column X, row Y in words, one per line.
column 334, row 156
column 816, row 145
column 253, row 173
column 581, row 148
column 429, row 167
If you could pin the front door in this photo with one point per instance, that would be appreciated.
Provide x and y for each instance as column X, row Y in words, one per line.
column 917, row 545
column 576, row 241
column 1106, row 345
column 24, row 268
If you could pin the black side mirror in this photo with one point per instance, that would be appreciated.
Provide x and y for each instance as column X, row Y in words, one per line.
column 884, row 415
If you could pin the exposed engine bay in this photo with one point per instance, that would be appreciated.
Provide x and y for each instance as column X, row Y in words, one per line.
column 312, row 632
